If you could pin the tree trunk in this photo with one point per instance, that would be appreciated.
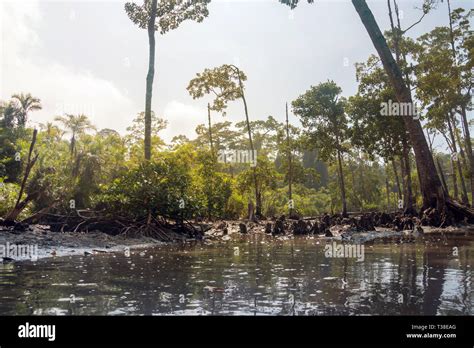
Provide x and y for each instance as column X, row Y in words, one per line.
column 397, row 180
column 258, row 208
column 210, row 127
column 455, row 179
column 290, row 169
column 258, row 205
column 464, row 198
column 408, row 200
column 341, row 184
column 443, row 180
column 364, row 196
column 430, row 184
column 452, row 144
column 72, row 146
column 455, row 162
column 463, row 163
column 149, row 79
column 468, row 146
column 353, row 180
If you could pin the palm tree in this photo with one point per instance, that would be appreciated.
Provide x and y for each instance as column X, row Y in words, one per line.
column 52, row 131
column 76, row 124
column 23, row 104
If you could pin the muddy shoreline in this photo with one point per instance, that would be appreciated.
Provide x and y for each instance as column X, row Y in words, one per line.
column 57, row 244
column 353, row 230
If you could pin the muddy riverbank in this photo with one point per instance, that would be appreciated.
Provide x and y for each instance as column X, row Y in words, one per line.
column 54, row 244
column 49, row 243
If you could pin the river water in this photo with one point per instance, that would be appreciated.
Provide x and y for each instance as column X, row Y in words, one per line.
column 248, row 275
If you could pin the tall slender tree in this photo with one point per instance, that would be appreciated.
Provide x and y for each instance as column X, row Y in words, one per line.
column 290, row 169
column 162, row 16
column 321, row 111
column 226, row 83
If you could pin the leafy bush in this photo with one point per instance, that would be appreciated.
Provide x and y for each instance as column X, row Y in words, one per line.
column 8, row 195
column 162, row 187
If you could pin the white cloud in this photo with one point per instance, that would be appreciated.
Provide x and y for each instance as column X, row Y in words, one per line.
column 61, row 88
column 182, row 119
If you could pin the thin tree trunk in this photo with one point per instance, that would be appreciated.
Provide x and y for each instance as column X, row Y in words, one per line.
column 396, row 40
column 455, row 179
column 210, row 127
column 258, row 198
column 462, row 163
column 441, row 173
column 461, row 151
column 149, row 78
column 397, row 180
column 464, row 197
column 468, row 147
column 388, row 194
column 361, row 181
column 353, row 180
column 290, row 169
column 209, row 203
column 430, row 184
column 408, row 199
column 455, row 162
column 430, row 141
column 453, row 147
column 73, row 143
column 341, row 184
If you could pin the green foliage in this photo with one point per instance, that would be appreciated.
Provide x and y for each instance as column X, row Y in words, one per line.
column 137, row 129
column 10, row 168
column 265, row 173
column 162, row 187
column 236, row 206
column 22, row 104
column 169, row 13
column 223, row 82
column 135, row 137
column 215, row 187
column 321, row 111
column 76, row 125
column 104, row 171
column 8, row 195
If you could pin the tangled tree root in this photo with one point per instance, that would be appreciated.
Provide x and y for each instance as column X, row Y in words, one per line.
column 160, row 228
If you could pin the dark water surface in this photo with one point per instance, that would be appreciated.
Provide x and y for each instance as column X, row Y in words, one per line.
column 247, row 276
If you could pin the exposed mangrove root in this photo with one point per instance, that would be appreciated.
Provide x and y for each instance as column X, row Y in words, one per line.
column 160, row 228
column 168, row 228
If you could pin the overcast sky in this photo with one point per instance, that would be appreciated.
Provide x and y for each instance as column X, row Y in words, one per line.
column 88, row 57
